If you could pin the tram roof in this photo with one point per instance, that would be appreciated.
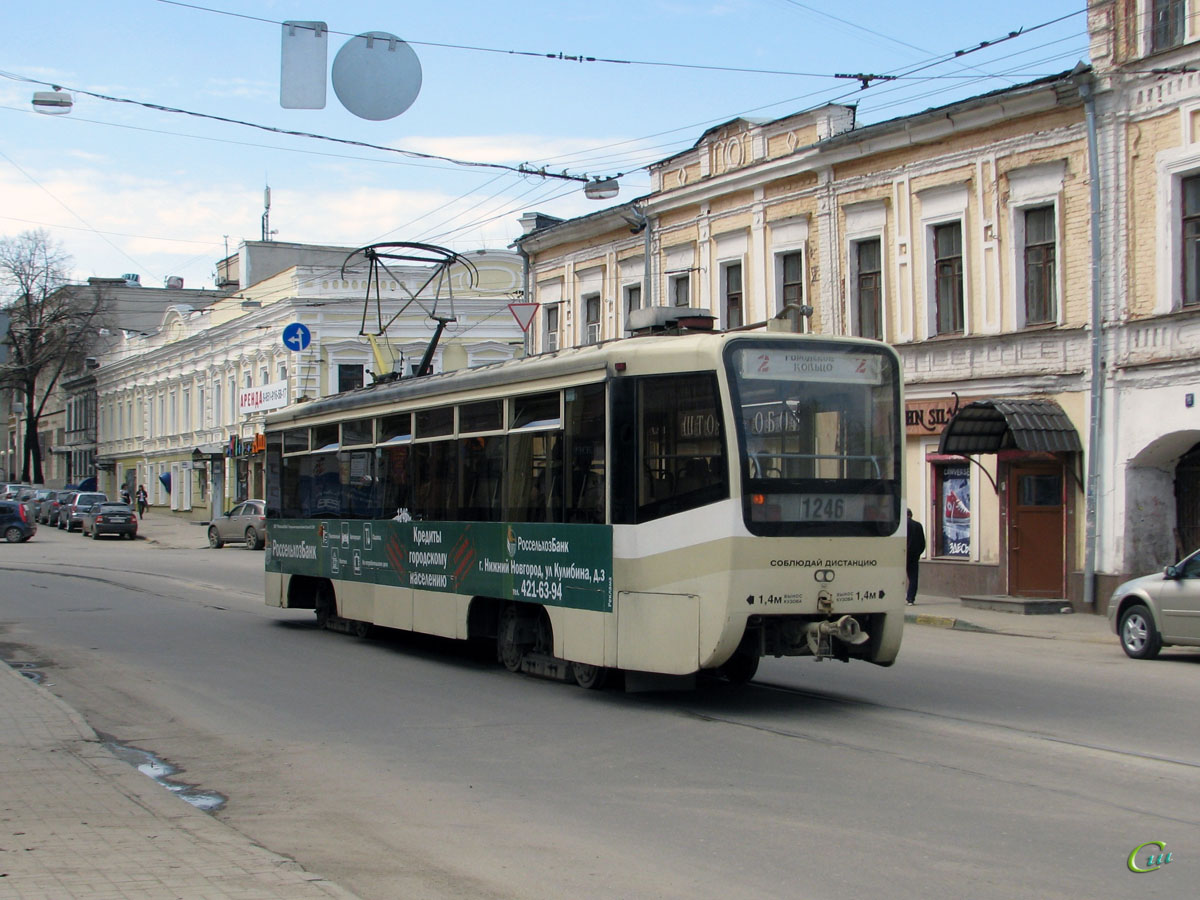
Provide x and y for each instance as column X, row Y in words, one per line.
column 570, row 361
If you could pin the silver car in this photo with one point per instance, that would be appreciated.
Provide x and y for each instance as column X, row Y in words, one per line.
column 1156, row 611
column 245, row 522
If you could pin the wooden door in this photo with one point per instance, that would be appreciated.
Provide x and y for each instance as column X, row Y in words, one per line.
column 1037, row 531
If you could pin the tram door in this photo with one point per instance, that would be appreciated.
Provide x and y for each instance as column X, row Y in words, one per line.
column 1037, row 531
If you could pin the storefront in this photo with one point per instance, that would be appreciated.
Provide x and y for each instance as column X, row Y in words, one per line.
column 1038, row 488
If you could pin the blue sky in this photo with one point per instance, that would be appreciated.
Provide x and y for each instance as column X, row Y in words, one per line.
column 124, row 188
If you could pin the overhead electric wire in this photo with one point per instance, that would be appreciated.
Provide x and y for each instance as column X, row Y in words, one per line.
column 557, row 56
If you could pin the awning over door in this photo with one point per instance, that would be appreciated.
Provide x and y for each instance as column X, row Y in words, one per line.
column 989, row 426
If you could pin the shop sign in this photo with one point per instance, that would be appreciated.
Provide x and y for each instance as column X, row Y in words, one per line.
column 260, row 399
column 239, row 446
column 923, row 418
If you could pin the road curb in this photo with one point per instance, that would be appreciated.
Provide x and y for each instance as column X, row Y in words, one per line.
column 946, row 622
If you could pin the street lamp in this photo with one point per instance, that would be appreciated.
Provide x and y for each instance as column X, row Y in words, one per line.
column 52, row 103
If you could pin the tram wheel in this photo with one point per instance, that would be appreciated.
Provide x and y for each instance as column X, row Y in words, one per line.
column 326, row 606
column 740, row 668
column 508, row 650
column 592, row 678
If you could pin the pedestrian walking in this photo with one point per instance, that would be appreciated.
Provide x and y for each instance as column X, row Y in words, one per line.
column 125, row 496
column 916, row 546
column 142, row 498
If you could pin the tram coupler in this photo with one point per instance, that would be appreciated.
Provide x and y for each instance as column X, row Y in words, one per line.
column 821, row 635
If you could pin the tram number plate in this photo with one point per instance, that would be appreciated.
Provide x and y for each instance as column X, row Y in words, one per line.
column 828, row 508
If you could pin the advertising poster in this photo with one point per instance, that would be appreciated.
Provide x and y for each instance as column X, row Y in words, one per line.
column 557, row 565
column 956, row 511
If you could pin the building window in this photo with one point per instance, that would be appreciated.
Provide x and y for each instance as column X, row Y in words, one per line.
column 1168, row 23
column 633, row 298
column 591, row 310
column 948, row 277
column 550, row 342
column 681, row 290
column 868, row 288
column 350, row 377
column 283, row 371
column 187, row 409
column 731, row 289
column 218, row 411
column 1191, row 240
column 791, row 288
column 953, row 514
column 1041, row 291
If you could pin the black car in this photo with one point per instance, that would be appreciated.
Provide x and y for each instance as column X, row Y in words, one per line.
column 15, row 522
column 110, row 517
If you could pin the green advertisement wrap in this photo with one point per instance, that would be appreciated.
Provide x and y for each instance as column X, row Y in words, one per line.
column 556, row 565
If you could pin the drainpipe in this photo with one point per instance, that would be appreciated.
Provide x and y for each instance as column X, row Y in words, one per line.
column 524, row 290
column 639, row 221
column 1086, row 85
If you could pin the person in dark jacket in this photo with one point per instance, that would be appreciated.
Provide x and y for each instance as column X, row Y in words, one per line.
column 916, row 546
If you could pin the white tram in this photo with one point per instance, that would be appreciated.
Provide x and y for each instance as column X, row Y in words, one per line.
column 661, row 504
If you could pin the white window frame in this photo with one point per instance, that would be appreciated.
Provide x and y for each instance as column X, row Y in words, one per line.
column 723, row 266
column 1033, row 187
column 945, row 205
column 1173, row 166
column 866, row 221
column 591, row 328
column 552, row 337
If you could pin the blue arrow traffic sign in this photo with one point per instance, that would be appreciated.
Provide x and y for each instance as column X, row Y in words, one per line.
column 296, row 336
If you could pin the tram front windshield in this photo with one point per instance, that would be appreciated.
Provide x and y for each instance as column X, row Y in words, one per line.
column 819, row 429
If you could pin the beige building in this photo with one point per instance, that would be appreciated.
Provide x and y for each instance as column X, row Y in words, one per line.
column 962, row 236
column 180, row 409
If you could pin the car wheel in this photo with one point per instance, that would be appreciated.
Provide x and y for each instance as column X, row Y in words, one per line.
column 13, row 535
column 95, row 535
column 214, row 539
column 253, row 541
column 1139, row 638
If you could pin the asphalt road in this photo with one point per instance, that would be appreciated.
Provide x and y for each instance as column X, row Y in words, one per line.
column 980, row 765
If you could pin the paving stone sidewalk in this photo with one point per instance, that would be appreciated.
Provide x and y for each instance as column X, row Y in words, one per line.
column 76, row 822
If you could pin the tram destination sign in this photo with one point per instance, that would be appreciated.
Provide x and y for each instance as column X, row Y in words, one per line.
column 556, row 565
column 812, row 365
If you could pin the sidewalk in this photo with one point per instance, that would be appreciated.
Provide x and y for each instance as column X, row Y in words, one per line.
column 167, row 530
column 76, row 822
column 949, row 612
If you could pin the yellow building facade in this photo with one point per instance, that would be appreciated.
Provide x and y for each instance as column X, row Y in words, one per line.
column 961, row 235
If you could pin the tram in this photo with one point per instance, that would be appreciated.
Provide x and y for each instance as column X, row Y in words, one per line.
column 669, row 504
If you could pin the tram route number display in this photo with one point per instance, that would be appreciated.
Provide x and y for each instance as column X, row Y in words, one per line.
column 556, row 565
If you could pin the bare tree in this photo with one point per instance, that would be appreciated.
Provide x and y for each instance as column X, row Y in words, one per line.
column 48, row 321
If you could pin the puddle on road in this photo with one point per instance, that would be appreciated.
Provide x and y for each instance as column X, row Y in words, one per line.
column 153, row 767
column 29, row 670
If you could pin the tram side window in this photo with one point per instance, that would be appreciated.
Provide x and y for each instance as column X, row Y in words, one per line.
column 681, row 445
column 585, row 434
column 274, row 496
column 395, row 482
column 535, row 480
column 435, row 471
column 482, row 479
column 357, row 476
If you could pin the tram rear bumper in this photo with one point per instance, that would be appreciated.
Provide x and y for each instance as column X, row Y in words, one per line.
column 874, row 637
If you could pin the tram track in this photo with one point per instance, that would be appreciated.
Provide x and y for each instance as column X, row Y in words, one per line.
column 1028, row 734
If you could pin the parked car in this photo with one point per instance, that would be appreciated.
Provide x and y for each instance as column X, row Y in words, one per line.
column 110, row 517
column 1156, row 611
column 12, row 490
column 48, row 515
column 70, row 516
column 40, row 498
column 15, row 522
column 245, row 522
